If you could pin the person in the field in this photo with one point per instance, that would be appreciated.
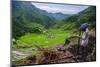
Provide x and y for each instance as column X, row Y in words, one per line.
column 85, row 36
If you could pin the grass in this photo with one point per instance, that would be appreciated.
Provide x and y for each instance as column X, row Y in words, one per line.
column 51, row 38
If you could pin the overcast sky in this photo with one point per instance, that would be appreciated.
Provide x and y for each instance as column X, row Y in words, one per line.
column 55, row 8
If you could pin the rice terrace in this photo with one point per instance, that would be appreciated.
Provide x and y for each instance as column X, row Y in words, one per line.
column 50, row 33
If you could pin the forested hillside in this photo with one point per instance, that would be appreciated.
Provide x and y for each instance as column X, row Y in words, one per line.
column 27, row 18
column 86, row 16
column 42, row 37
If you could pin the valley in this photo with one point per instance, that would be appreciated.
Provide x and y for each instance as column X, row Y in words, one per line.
column 35, row 30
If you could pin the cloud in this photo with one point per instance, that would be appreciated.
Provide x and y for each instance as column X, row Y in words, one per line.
column 54, row 8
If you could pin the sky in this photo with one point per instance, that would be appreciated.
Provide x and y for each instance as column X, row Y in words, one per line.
column 65, row 9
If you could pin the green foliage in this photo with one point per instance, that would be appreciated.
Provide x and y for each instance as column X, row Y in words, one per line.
column 86, row 16
column 33, row 27
column 53, row 37
column 23, row 14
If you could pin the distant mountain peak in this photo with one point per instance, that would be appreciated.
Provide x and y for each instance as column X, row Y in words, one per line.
column 60, row 16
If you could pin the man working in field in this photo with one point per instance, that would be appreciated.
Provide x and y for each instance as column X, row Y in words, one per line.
column 83, row 41
column 85, row 36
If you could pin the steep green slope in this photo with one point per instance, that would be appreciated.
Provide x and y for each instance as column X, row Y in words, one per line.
column 24, row 15
column 86, row 16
